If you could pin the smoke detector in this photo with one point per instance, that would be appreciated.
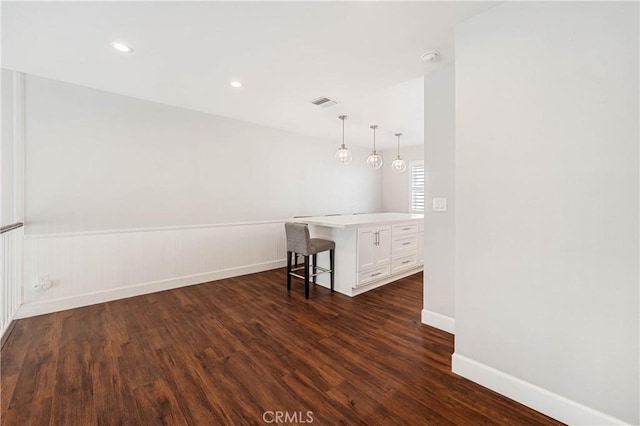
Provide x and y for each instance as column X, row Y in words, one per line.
column 431, row 56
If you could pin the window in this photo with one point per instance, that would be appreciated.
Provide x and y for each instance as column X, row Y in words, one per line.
column 417, row 186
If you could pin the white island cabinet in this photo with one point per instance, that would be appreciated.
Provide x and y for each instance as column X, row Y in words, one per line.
column 371, row 249
column 374, row 253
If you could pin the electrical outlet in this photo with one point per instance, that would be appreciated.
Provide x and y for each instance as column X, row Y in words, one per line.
column 43, row 283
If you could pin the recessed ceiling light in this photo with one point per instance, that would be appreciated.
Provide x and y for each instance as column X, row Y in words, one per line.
column 236, row 84
column 121, row 47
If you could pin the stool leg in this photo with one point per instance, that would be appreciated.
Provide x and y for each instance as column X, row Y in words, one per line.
column 296, row 257
column 315, row 269
column 288, row 270
column 306, row 277
column 332, row 261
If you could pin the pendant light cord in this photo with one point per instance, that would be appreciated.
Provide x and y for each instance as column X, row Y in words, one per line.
column 398, row 135
column 343, row 132
column 374, row 140
column 342, row 117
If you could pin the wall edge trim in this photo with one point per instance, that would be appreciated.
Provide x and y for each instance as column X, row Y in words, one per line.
column 150, row 229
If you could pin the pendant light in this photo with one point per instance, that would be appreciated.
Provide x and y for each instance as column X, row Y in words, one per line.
column 398, row 165
column 374, row 160
column 343, row 155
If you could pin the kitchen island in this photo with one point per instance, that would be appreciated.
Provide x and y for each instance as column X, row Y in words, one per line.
column 371, row 249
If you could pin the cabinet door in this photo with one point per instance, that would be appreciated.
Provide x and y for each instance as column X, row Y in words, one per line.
column 383, row 249
column 421, row 248
column 366, row 248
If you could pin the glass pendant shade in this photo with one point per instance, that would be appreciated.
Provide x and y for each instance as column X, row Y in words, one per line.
column 343, row 155
column 374, row 160
column 398, row 165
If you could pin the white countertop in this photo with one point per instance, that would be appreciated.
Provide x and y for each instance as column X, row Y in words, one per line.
column 348, row 220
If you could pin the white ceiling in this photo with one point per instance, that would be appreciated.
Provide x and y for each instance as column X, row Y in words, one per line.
column 365, row 55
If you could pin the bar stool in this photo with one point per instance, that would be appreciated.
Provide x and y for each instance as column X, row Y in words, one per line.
column 300, row 242
column 295, row 255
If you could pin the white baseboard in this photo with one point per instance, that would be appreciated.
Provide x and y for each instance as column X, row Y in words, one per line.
column 6, row 331
column 64, row 303
column 439, row 321
column 549, row 403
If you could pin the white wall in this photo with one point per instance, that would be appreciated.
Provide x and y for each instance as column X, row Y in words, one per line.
column 6, row 150
column 126, row 197
column 439, row 161
column 396, row 196
column 97, row 160
column 547, row 207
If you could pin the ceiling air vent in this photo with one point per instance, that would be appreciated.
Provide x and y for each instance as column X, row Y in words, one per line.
column 324, row 102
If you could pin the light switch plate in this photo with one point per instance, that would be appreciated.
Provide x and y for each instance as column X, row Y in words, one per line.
column 439, row 204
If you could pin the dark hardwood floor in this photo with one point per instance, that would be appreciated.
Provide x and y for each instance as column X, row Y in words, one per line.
column 237, row 351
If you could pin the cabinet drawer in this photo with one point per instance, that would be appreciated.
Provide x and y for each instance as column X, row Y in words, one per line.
column 373, row 275
column 405, row 262
column 404, row 228
column 406, row 243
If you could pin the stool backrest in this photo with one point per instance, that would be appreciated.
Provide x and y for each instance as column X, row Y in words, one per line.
column 298, row 238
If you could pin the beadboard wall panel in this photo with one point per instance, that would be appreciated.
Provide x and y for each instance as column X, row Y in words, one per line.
column 10, row 278
column 88, row 268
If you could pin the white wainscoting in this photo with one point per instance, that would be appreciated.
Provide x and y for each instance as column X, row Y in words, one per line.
column 88, row 268
column 11, row 277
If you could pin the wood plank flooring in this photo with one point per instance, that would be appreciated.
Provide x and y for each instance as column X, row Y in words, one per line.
column 237, row 351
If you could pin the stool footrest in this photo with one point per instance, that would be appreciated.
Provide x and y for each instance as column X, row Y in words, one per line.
column 323, row 271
